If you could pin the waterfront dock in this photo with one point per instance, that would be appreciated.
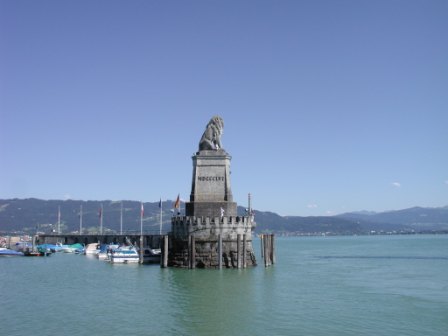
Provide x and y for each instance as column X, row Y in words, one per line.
column 152, row 240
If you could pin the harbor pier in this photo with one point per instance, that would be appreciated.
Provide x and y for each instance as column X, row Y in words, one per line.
column 152, row 240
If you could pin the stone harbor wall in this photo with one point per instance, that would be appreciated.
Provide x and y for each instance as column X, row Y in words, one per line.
column 195, row 242
column 206, row 255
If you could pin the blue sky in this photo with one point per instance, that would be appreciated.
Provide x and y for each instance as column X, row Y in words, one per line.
column 329, row 106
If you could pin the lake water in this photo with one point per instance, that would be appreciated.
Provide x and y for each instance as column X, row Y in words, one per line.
column 366, row 285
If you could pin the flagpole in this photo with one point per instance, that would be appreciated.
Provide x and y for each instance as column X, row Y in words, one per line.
column 141, row 235
column 249, row 211
column 101, row 220
column 59, row 219
column 80, row 220
column 121, row 219
column 249, row 206
column 160, row 216
column 141, row 220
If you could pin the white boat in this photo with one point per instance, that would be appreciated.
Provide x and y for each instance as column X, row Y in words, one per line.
column 102, row 255
column 92, row 249
column 124, row 255
column 105, row 251
column 4, row 252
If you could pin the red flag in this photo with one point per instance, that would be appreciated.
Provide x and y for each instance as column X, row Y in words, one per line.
column 177, row 204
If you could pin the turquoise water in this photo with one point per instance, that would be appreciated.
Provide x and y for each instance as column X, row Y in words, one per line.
column 378, row 285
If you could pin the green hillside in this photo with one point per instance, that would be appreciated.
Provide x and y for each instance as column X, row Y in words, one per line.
column 31, row 215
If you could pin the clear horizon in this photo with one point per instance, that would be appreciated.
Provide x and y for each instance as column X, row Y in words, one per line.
column 329, row 107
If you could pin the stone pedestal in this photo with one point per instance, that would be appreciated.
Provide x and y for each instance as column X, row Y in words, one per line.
column 211, row 194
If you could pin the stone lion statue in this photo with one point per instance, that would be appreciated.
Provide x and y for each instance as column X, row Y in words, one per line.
column 211, row 139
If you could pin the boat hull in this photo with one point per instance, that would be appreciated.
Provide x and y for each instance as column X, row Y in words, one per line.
column 10, row 253
column 123, row 260
column 151, row 256
column 92, row 249
column 127, row 255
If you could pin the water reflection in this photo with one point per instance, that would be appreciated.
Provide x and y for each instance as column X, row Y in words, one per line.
column 217, row 302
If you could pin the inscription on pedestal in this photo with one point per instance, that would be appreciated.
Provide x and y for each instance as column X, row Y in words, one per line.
column 211, row 178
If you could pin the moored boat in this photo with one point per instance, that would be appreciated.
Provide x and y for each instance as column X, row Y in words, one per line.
column 52, row 247
column 39, row 251
column 21, row 246
column 4, row 252
column 151, row 256
column 105, row 250
column 36, row 251
column 67, row 249
column 74, row 248
column 124, row 255
column 92, row 249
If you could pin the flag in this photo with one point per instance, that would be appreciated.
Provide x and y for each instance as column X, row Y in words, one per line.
column 100, row 212
column 142, row 211
column 177, row 204
column 160, row 203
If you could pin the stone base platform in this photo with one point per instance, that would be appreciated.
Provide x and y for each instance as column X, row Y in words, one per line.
column 195, row 242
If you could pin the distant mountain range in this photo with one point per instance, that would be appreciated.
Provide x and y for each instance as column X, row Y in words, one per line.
column 416, row 218
column 31, row 215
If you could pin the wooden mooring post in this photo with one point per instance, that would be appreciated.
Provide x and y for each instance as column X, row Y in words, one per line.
column 267, row 249
column 141, row 251
column 238, row 251
column 164, row 256
column 244, row 251
column 219, row 256
column 262, row 245
column 191, row 252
